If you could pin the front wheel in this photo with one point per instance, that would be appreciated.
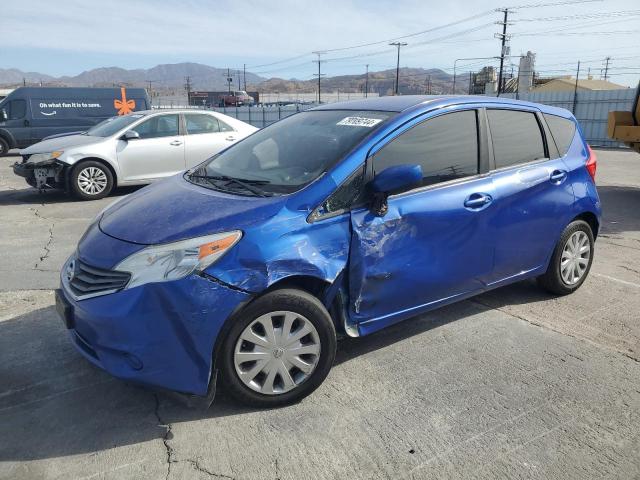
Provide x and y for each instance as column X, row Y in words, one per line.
column 571, row 260
column 279, row 349
column 91, row 180
column 4, row 147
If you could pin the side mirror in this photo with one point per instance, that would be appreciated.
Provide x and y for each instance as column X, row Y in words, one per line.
column 131, row 135
column 3, row 115
column 396, row 179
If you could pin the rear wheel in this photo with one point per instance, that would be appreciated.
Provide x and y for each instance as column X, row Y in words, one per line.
column 279, row 349
column 91, row 180
column 571, row 260
column 4, row 147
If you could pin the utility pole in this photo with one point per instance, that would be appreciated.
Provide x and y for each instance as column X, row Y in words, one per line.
column 606, row 68
column 503, row 40
column 398, row 45
column 229, row 80
column 575, row 90
column 428, row 92
column 244, row 76
column 150, row 88
column 366, row 82
column 238, row 75
column 319, row 61
column 187, row 87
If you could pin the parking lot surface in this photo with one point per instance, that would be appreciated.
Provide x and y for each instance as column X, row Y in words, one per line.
column 511, row 384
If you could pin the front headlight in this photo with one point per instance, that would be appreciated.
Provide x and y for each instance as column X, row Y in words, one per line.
column 45, row 157
column 171, row 261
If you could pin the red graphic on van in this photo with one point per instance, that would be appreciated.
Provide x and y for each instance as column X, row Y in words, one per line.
column 123, row 105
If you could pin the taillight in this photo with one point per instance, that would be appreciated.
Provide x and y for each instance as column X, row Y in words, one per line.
column 592, row 163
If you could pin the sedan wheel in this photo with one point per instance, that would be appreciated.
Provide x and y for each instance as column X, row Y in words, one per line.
column 92, row 180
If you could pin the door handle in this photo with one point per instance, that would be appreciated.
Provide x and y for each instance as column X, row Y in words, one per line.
column 558, row 176
column 26, row 123
column 477, row 200
column 230, row 138
column 176, row 143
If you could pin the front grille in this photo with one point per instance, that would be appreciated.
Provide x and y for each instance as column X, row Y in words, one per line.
column 86, row 281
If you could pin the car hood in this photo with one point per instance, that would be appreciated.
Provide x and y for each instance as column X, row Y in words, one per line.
column 60, row 143
column 175, row 209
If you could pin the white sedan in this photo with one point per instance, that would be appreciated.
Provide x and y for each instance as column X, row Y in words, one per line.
column 132, row 149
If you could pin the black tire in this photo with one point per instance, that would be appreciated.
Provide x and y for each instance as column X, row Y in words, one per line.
column 552, row 280
column 4, row 147
column 292, row 300
column 83, row 166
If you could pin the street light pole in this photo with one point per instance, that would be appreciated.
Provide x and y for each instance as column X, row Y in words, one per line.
column 398, row 45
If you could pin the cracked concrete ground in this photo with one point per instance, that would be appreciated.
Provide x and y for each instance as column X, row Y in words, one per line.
column 512, row 384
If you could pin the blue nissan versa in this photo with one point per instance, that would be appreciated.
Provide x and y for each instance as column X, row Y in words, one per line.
column 345, row 218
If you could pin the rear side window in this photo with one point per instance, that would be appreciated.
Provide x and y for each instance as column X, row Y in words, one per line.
column 446, row 147
column 224, row 127
column 201, row 124
column 563, row 131
column 516, row 137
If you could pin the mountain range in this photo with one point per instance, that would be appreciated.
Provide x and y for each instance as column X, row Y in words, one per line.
column 204, row 77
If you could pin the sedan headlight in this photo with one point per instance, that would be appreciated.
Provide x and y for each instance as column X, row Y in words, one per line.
column 45, row 157
column 171, row 261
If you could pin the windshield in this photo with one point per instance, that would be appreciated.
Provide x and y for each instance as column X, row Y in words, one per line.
column 112, row 125
column 289, row 154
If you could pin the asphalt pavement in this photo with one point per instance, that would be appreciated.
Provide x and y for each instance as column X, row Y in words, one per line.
column 514, row 383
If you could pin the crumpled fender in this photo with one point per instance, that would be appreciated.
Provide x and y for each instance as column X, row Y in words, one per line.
column 286, row 245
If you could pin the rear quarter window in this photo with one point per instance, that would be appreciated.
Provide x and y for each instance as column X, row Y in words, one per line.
column 563, row 131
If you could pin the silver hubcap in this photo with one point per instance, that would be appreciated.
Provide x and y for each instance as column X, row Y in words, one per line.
column 575, row 258
column 277, row 352
column 92, row 180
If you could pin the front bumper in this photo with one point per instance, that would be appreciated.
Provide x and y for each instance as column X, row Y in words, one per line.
column 159, row 334
column 50, row 175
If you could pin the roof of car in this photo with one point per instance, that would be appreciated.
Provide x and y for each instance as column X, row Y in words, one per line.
column 400, row 103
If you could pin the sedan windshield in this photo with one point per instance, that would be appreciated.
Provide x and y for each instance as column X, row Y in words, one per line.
column 289, row 154
column 112, row 125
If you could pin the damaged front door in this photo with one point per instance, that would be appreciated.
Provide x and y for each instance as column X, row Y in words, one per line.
column 434, row 243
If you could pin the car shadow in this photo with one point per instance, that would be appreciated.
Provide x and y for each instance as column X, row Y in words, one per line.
column 620, row 209
column 54, row 403
column 31, row 196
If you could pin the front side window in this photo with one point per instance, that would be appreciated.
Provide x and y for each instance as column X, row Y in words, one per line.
column 563, row 131
column 159, row 126
column 516, row 137
column 291, row 153
column 17, row 109
column 446, row 147
column 198, row 123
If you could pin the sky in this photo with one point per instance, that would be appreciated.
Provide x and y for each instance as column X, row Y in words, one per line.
column 276, row 38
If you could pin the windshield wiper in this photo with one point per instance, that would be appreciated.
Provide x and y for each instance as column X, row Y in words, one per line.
column 247, row 184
